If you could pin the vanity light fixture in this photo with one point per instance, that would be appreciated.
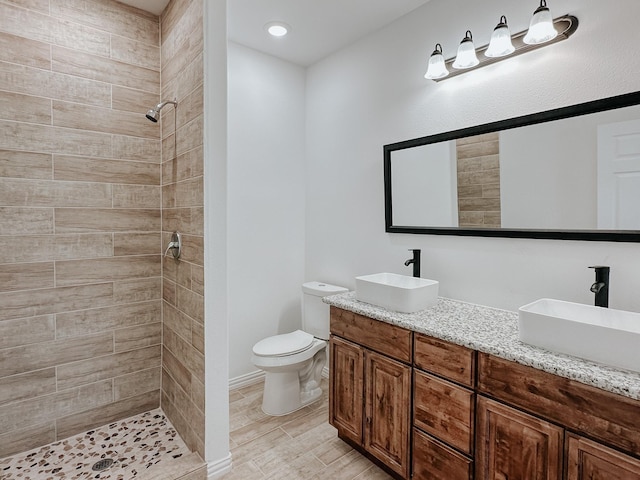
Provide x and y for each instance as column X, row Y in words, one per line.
column 500, row 44
column 277, row 29
column 466, row 57
column 543, row 30
column 437, row 68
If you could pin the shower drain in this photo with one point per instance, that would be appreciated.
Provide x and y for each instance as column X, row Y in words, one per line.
column 102, row 464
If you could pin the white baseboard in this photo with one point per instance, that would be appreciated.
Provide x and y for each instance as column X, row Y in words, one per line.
column 258, row 376
column 246, row 380
column 218, row 468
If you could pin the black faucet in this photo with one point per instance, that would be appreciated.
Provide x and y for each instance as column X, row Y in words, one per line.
column 601, row 286
column 415, row 260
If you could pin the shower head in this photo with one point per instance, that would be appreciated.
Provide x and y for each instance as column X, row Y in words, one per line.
column 154, row 113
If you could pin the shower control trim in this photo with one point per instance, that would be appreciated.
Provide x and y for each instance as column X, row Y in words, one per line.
column 175, row 245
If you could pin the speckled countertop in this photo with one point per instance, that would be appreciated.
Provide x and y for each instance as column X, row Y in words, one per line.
column 494, row 331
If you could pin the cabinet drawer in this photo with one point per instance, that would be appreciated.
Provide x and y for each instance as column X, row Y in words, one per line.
column 381, row 337
column 433, row 460
column 455, row 362
column 444, row 410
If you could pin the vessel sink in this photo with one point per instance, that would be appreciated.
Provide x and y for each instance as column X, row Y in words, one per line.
column 395, row 292
column 599, row 334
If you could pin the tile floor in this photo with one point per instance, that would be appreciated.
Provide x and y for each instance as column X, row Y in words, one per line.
column 298, row 446
column 138, row 445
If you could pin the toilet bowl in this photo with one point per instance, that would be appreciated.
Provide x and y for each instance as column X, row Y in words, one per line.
column 293, row 362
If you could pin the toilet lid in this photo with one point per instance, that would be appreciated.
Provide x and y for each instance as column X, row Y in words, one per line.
column 285, row 344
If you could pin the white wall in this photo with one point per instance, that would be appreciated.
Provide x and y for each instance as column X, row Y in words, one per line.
column 266, row 183
column 373, row 93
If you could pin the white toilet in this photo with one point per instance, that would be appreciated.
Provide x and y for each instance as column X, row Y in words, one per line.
column 293, row 362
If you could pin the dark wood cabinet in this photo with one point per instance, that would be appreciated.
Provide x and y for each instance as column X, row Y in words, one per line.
column 346, row 388
column 370, row 392
column 587, row 460
column 387, row 423
column 428, row 409
column 514, row 445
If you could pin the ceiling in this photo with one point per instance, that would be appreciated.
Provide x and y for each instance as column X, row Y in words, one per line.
column 318, row 27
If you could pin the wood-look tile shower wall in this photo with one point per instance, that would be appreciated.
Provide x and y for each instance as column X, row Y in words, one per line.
column 80, row 211
column 183, row 210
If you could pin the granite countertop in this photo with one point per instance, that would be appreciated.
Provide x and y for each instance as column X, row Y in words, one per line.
column 494, row 331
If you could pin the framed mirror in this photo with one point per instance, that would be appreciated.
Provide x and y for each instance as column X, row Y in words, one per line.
column 571, row 173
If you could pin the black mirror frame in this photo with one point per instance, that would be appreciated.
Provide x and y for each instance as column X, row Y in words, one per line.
column 619, row 101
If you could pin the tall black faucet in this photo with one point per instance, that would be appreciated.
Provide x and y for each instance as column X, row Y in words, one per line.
column 601, row 286
column 415, row 260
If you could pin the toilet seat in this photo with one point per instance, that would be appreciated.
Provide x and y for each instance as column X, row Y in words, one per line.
column 283, row 345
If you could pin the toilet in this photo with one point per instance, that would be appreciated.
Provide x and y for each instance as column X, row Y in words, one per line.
column 293, row 362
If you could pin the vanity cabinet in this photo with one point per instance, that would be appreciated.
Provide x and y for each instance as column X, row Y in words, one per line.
column 428, row 409
column 587, row 460
column 513, row 444
column 370, row 387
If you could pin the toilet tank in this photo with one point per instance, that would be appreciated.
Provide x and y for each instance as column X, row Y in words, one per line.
column 315, row 313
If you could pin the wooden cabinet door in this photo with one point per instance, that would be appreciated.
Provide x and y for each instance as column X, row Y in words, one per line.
column 512, row 445
column 589, row 460
column 346, row 388
column 388, row 411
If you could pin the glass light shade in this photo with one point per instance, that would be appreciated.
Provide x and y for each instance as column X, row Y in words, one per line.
column 500, row 44
column 541, row 28
column 436, row 68
column 466, row 57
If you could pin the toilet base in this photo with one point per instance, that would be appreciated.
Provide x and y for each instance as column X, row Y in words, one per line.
column 288, row 391
column 282, row 394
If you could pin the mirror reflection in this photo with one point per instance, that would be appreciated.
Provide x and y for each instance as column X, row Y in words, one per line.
column 580, row 174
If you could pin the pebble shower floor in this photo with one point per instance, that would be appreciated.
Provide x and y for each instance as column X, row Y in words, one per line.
column 135, row 444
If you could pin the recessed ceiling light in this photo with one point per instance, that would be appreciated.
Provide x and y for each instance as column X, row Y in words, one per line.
column 277, row 29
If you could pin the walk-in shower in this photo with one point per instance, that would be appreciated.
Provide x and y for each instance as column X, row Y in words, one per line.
column 154, row 113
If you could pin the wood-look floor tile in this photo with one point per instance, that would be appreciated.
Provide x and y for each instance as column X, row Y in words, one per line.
column 300, row 468
column 298, row 446
column 258, row 445
column 374, row 473
column 346, row 467
column 294, row 448
column 331, row 450
column 244, row 471
column 302, row 424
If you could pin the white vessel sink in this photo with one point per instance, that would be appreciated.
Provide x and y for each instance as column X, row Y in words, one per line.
column 600, row 334
column 395, row 292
